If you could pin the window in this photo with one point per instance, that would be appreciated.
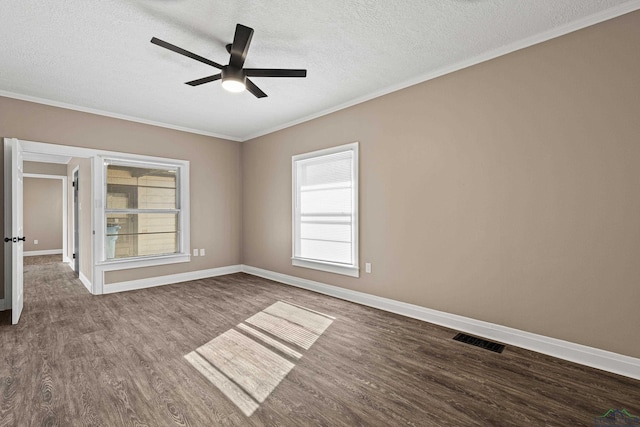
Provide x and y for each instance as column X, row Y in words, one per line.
column 325, row 210
column 143, row 215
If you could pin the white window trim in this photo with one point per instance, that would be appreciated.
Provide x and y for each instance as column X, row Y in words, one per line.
column 347, row 270
column 183, row 254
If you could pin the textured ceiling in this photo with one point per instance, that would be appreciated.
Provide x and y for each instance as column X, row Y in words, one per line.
column 96, row 54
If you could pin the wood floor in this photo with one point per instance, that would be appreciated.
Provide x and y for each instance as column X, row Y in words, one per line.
column 41, row 259
column 119, row 359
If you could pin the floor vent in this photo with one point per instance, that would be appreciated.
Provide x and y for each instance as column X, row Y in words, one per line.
column 479, row 342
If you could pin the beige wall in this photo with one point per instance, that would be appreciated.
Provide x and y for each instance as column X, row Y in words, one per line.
column 85, row 195
column 42, row 203
column 505, row 192
column 214, row 172
column 45, row 168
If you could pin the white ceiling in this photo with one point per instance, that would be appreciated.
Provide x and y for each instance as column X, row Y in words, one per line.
column 95, row 55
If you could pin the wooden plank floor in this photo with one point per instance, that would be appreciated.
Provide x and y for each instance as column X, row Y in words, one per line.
column 112, row 360
column 41, row 259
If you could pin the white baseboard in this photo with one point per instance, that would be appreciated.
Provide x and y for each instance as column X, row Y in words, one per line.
column 66, row 259
column 86, row 282
column 578, row 353
column 45, row 252
column 170, row 279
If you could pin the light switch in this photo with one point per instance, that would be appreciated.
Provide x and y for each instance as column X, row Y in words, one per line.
column 202, row 252
column 195, row 252
column 35, row 242
column 367, row 267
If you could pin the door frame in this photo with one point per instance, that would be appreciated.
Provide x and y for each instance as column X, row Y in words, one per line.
column 75, row 224
column 64, row 206
column 39, row 151
column 13, row 227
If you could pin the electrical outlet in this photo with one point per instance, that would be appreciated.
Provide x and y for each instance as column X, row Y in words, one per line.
column 35, row 242
column 367, row 267
column 202, row 252
column 195, row 252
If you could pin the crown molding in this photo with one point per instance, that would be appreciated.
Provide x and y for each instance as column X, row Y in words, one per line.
column 562, row 30
column 82, row 109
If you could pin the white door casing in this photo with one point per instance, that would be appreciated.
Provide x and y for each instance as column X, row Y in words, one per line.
column 13, row 226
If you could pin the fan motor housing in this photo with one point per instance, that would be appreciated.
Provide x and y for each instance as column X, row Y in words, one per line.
column 231, row 73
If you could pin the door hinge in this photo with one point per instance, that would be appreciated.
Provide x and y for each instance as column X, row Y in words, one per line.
column 74, row 256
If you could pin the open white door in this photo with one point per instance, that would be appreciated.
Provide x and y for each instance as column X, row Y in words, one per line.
column 13, row 229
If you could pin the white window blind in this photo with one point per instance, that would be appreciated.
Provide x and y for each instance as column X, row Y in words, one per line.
column 325, row 207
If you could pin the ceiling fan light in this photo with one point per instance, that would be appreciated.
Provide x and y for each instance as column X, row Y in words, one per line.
column 233, row 85
column 233, row 79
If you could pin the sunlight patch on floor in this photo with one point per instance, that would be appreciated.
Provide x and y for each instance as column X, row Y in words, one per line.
column 247, row 367
column 237, row 395
column 270, row 341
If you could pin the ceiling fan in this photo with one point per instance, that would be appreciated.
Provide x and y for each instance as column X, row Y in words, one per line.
column 234, row 77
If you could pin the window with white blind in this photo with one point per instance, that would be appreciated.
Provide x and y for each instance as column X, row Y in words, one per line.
column 325, row 210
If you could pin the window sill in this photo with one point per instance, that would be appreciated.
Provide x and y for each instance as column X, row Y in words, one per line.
column 327, row 266
column 123, row 264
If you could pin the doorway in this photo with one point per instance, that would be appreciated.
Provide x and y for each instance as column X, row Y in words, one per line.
column 26, row 159
column 44, row 192
column 76, row 221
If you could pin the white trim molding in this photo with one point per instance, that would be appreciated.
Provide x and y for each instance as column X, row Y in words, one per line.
column 46, row 158
column 319, row 157
column 43, row 252
column 181, row 168
column 169, row 279
column 74, row 252
column 330, row 267
column 75, row 107
column 86, row 282
column 577, row 353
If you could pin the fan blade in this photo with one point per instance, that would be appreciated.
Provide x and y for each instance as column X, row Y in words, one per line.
column 274, row 72
column 204, row 80
column 255, row 90
column 186, row 53
column 240, row 45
